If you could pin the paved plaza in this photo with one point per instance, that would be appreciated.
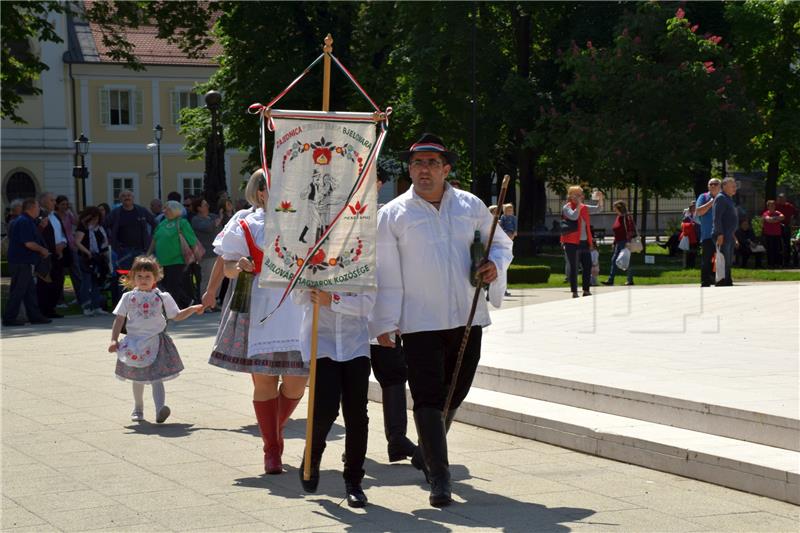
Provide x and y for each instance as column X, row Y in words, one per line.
column 72, row 460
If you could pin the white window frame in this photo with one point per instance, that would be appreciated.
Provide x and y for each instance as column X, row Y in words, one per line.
column 175, row 101
column 193, row 176
column 122, row 175
column 135, row 103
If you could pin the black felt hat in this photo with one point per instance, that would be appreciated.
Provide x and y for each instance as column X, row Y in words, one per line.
column 430, row 143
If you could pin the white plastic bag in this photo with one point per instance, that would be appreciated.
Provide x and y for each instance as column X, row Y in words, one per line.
column 624, row 259
column 684, row 244
column 720, row 265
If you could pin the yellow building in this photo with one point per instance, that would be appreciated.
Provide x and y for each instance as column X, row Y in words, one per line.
column 85, row 92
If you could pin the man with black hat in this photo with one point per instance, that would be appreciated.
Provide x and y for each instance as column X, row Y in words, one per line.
column 424, row 293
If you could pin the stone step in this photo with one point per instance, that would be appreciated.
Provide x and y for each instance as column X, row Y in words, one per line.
column 736, row 423
column 750, row 467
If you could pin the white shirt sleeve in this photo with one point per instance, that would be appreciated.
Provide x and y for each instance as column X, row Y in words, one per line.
column 171, row 308
column 352, row 304
column 233, row 245
column 58, row 229
column 122, row 307
column 385, row 316
column 572, row 214
column 500, row 254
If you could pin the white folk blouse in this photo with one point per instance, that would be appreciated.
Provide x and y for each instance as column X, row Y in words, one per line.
column 342, row 332
column 423, row 263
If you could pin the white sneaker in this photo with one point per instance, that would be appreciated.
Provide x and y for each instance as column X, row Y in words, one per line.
column 87, row 312
column 100, row 312
column 62, row 306
column 137, row 416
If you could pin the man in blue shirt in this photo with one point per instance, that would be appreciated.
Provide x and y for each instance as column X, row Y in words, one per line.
column 726, row 221
column 25, row 250
column 706, row 218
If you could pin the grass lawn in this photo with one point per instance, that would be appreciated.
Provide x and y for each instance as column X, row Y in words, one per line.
column 666, row 270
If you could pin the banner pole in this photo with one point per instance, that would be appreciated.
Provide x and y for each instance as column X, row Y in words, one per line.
column 312, row 367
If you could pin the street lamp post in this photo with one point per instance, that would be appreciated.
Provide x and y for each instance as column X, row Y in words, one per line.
column 158, row 132
column 80, row 172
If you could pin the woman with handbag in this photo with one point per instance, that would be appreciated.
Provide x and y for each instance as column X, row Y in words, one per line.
column 94, row 262
column 576, row 236
column 624, row 230
column 269, row 351
column 173, row 240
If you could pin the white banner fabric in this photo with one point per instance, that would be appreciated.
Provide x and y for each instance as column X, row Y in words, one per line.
column 315, row 166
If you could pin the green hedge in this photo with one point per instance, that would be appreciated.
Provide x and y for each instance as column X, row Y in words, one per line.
column 528, row 273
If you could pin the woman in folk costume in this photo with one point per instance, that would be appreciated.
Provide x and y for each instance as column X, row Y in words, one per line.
column 269, row 352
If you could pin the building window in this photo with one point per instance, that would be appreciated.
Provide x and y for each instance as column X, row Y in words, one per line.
column 20, row 185
column 119, row 184
column 192, row 185
column 120, row 106
column 183, row 98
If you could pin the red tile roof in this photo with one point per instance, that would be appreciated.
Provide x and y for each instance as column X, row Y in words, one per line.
column 151, row 50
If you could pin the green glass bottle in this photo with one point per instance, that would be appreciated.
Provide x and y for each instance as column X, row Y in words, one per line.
column 476, row 255
column 240, row 301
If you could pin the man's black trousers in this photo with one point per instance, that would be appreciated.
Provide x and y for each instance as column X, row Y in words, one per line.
column 431, row 358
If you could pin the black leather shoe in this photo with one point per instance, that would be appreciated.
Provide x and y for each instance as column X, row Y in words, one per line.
column 629, row 283
column 440, row 493
column 575, row 295
column 311, row 484
column 355, row 496
column 587, row 293
column 8, row 323
column 54, row 315
column 400, row 448
column 41, row 321
column 607, row 283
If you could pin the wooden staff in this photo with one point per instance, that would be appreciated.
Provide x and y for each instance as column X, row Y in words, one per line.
column 312, row 367
column 501, row 198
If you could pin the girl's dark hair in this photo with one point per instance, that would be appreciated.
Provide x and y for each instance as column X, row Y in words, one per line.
column 621, row 206
column 197, row 202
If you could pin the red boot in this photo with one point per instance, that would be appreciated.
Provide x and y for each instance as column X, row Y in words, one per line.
column 286, row 407
column 267, row 416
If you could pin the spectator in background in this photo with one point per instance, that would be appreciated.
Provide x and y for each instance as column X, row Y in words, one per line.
column 241, row 203
column 726, row 222
column 789, row 211
column 206, row 225
column 455, row 183
column 688, row 230
column 772, row 232
column 94, row 261
column 167, row 246
column 49, row 292
column 624, row 230
column 690, row 211
column 131, row 229
column 577, row 243
column 68, row 221
column 14, row 210
column 26, row 249
column 703, row 212
column 224, row 210
column 156, row 207
column 188, row 209
column 747, row 244
column 105, row 217
column 508, row 221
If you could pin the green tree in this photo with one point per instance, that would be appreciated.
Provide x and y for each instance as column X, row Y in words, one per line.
column 766, row 44
column 646, row 109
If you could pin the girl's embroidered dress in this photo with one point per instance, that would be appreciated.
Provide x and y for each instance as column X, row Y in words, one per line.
column 242, row 344
column 146, row 325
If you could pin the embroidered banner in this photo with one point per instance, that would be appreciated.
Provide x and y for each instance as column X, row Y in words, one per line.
column 323, row 200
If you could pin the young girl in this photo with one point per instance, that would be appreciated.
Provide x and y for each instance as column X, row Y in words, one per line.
column 343, row 369
column 147, row 354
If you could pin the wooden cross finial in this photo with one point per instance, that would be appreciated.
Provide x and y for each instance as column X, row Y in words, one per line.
column 328, row 48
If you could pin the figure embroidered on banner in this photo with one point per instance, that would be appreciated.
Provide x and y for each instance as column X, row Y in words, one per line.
column 319, row 196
